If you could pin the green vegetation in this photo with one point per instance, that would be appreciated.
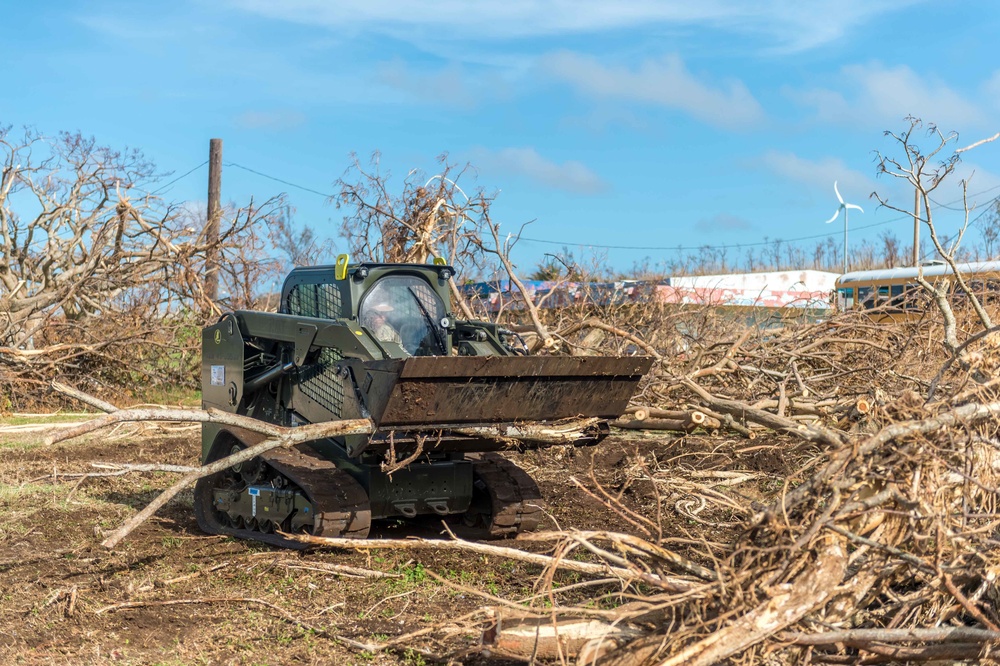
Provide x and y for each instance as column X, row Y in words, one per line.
column 57, row 417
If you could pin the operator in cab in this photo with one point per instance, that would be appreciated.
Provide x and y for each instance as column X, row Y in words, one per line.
column 379, row 325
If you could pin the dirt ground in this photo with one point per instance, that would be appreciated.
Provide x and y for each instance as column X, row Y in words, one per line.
column 63, row 598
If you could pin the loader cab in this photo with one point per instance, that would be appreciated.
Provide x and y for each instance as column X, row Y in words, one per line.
column 405, row 309
column 403, row 306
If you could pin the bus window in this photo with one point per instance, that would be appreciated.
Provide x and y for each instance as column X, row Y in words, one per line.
column 883, row 295
column 865, row 297
column 897, row 299
column 991, row 290
column 914, row 297
column 846, row 299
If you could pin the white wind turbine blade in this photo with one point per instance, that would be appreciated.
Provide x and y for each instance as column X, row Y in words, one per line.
column 839, row 198
column 834, row 217
column 855, row 207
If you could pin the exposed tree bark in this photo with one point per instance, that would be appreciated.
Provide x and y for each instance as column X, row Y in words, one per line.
column 814, row 587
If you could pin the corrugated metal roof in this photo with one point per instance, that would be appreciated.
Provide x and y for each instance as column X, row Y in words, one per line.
column 935, row 270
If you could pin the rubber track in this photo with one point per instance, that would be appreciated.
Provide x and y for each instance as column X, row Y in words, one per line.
column 516, row 502
column 340, row 503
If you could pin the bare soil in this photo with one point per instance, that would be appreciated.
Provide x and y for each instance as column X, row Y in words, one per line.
column 254, row 604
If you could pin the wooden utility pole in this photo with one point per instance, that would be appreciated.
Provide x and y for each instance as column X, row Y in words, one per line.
column 212, row 223
column 916, row 226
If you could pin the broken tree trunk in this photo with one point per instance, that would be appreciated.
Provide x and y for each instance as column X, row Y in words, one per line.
column 788, row 604
column 529, row 637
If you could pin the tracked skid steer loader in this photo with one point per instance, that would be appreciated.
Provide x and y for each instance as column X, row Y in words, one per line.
column 379, row 341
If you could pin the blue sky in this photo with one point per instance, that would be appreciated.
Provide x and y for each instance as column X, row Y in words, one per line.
column 646, row 124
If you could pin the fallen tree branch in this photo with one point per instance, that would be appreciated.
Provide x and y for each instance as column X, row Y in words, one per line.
column 912, row 635
column 168, row 415
column 668, row 583
column 528, row 637
column 594, row 322
column 125, row 468
column 85, row 398
column 542, row 433
column 790, row 603
column 966, row 414
column 288, row 437
column 629, row 543
column 810, row 433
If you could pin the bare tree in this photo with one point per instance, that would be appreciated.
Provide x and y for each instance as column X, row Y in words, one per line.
column 92, row 259
column 300, row 244
column 891, row 256
column 432, row 217
column 925, row 171
column 436, row 217
column 989, row 229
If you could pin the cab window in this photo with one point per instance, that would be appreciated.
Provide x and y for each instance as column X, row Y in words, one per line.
column 406, row 310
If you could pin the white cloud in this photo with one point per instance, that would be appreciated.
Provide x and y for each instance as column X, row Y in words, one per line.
column 665, row 82
column 272, row 120
column 983, row 185
column 820, row 174
column 571, row 176
column 603, row 117
column 787, row 26
column 991, row 89
column 881, row 97
column 451, row 86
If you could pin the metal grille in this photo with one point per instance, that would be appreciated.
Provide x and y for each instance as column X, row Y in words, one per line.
column 314, row 300
column 321, row 382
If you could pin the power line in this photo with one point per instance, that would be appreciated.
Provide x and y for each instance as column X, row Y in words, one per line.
column 279, row 180
column 962, row 210
column 711, row 247
column 178, row 178
column 680, row 248
column 675, row 248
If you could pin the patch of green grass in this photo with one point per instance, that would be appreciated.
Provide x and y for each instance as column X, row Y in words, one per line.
column 12, row 492
column 410, row 575
column 46, row 418
column 413, row 658
column 20, row 445
column 173, row 395
column 414, row 574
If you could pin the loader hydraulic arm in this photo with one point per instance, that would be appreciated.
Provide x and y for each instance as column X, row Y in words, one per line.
column 481, row 338
column 307, row 332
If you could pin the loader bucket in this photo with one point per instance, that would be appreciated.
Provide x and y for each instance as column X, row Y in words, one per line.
column 428, row 391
